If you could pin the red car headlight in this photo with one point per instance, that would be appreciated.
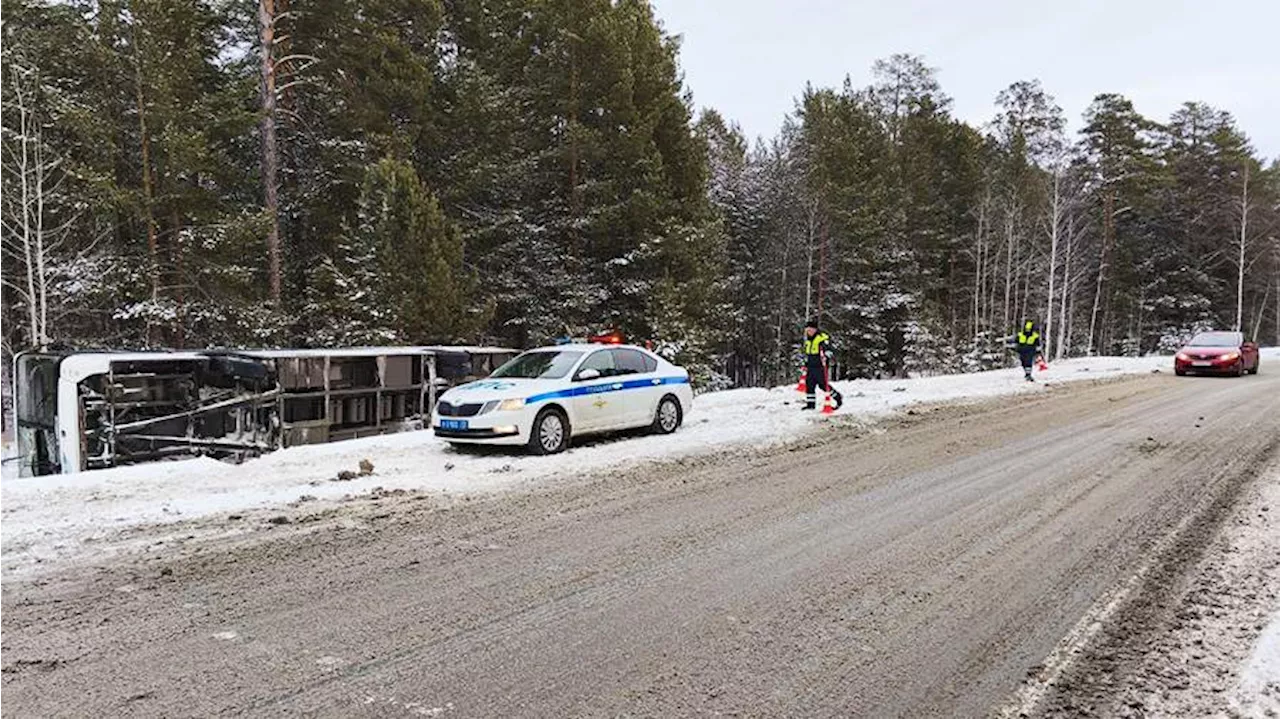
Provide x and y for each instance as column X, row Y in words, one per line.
column 1184, row 357
column 1230, row 357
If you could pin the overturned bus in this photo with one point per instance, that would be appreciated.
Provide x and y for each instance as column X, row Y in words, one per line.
column 90, row 410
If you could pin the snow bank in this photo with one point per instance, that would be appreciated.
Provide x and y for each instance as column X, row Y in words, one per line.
column 1258, row 689
column 49, row 518
column 1258, row 694
column 8, row 457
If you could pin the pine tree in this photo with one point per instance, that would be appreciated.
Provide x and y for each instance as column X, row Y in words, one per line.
column 737, row 192
column 1209, row 160
column 397, row 275
column 855, row 249
column 1118, row 155
column 933, row 172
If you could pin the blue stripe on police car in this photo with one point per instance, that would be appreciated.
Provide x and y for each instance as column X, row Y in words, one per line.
column 607, row 387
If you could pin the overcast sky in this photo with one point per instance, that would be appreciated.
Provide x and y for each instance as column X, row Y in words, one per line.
column 750, row 59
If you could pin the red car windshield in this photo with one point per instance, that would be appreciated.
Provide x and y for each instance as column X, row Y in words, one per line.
column 1217, row 339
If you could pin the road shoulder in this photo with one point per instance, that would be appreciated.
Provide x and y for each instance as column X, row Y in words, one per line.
column 1194, row 634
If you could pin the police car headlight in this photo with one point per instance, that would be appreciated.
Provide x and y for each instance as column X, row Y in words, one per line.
column 510, row 405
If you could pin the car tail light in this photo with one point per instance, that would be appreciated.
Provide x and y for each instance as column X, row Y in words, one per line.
column 608, row 338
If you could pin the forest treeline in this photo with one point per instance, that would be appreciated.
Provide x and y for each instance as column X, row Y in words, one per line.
column 337, row 172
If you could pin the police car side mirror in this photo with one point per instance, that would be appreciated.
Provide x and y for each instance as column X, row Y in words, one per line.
column 587, row 374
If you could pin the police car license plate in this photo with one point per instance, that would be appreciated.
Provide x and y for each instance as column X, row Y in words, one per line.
column 454, row 424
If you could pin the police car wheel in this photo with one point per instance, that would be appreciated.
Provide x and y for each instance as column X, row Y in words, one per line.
column 668, row 417
column 550, row 433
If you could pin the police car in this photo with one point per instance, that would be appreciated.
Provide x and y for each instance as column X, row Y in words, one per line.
column 547, row 396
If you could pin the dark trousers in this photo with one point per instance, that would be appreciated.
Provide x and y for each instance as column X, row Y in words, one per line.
column 1028, row 358
column 815, row 378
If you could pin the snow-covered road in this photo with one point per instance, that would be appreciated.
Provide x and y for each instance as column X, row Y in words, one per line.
column 924, row 568
column 49, row 519
column 1069, row 498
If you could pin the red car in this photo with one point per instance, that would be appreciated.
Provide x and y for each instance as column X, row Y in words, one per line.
column 1217, row 353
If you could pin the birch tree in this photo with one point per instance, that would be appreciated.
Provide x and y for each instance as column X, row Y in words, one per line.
column 1242, row 246
column 1059, row 206
column 32, row 178
column 270, row 153
column 1029, row 127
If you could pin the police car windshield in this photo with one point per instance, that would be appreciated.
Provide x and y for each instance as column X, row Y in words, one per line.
column 549, row 364
column 1217, row 339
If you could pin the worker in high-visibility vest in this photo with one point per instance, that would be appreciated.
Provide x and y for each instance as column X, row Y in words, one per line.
column 1029, row 343
column 817, row 349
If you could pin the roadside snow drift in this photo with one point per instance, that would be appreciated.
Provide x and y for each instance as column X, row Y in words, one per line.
column 50, row 518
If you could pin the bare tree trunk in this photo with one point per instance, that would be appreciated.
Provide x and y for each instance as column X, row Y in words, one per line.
column 822, row 264
column 993, row 283
column 1136, row 339
column 1262, row 312
column 1065, row 346
column 270, row 153
column 1105, row 336
column 1244, row 244
column 1055, row 221
column 42, row 274
column 24, row 170
column 1097, row 298
column 1027, row 310
column 148, row 191
column 1096, row 340
column 178, row 255
column 779, row 352
column 1008, row 267
column 977, row 270
column 987, row 266
column 1063, row 333
column 808, row 277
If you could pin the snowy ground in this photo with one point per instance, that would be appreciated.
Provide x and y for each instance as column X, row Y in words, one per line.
column 1219, row 655
column 48, row 520
column 1227, row 656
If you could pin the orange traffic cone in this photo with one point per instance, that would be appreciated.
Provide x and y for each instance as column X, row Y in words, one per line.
column 803, row 375
column 828, row 406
